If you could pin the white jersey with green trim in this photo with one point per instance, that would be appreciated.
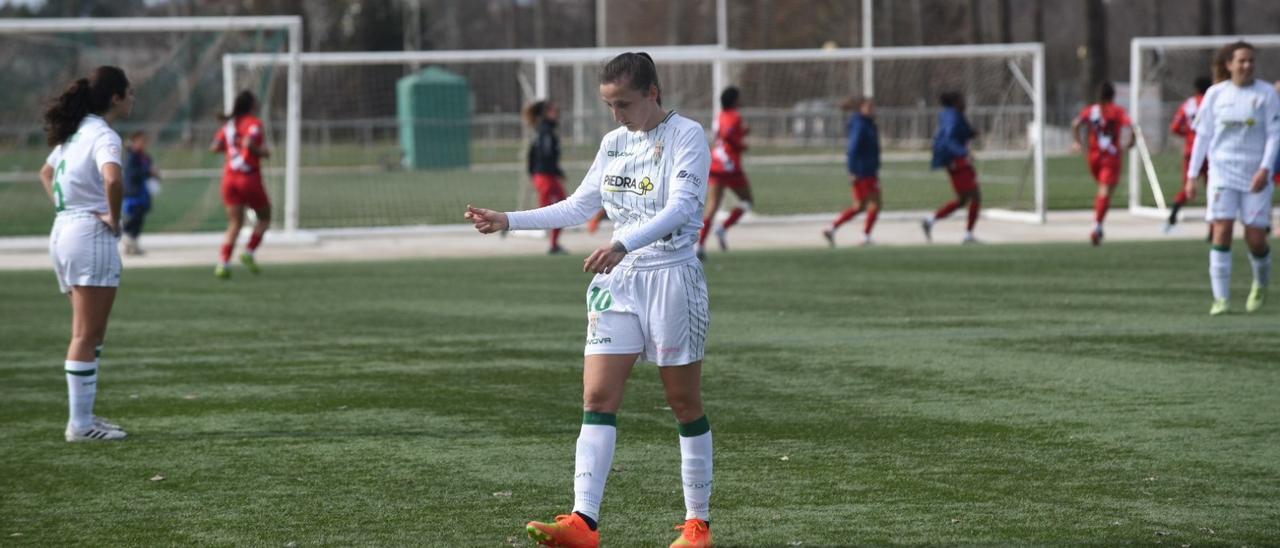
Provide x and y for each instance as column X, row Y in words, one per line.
column 1238, row 130
column 652, row 184
column 77, row 166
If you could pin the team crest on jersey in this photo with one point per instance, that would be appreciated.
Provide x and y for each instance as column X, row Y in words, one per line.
column 622, row 183
column 657, row 151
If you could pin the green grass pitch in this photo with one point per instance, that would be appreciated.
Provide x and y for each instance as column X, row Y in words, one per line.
column 392, row 198
column 1009, row 395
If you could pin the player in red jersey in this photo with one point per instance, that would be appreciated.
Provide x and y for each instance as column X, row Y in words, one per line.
column 1181, row 126
column 726, row 169
column 1103, row 121
column 241, row 138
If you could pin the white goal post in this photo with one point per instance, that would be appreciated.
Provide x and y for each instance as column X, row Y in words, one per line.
column 700, row 73
column 1148, row 58
column 291, row 25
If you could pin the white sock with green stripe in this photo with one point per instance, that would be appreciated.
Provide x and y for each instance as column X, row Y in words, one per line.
column 82, row 388
column 1220, row 271
column 1261, row 267
column 695, row 468
column 596, row 441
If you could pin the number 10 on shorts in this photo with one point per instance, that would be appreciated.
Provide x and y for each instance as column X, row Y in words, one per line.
column 600, row 300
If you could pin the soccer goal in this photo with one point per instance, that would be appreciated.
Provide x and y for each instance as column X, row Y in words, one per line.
column 360, row 168
column 1162, row 72
column 173, row 65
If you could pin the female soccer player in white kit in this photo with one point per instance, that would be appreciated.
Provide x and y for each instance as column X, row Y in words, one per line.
column 83, row 177
column 1238, row 128
column 648, row 298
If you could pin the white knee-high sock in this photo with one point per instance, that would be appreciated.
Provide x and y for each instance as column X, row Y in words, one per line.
column 695, row 468
column 1220, row 272
column 82, row 387
column 1261, row 268
column 594, row 457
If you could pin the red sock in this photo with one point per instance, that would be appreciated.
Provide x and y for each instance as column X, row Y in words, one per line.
column 1100, row 205
column 975, row 207
column 872, row 214
column 946, row 209
column 555, row 238
column 845, row 216
column 733, row 217
column 1181, row 198
column 254, row 241
column 706, row 227
column 226, row 252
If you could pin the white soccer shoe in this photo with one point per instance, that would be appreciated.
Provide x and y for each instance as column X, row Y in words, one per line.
column 95, row 433
column 104, row 423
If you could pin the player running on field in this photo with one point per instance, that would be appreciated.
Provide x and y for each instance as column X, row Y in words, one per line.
column 1181, row 126
column 241, row 138
column 648, row 298
column 139, row 175
column 1103, row 121
column 951, row 151
column 726, row 169
column 1238, row 129
column 544, row 160
column 863, row 162
column 85, row 180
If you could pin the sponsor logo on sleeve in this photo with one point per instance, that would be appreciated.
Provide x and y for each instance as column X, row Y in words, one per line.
column 685, row 174
column 619, row 153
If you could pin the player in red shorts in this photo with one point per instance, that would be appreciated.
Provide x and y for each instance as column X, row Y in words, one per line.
column 1104, row 121
column 241, row 139
column 863, row 164
column 951, row 151
column 1181, row 126
column 544, row 160
column 726, row 170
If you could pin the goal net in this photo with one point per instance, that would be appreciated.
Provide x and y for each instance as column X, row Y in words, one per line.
column 1163, row 71
column 173, row 65
column 360, row 169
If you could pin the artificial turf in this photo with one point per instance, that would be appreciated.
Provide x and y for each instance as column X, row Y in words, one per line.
column 1012, row 395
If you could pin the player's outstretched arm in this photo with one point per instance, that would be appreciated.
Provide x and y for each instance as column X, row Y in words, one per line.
column 487, row 221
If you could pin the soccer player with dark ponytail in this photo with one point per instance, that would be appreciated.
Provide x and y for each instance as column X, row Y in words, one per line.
column 241, row 138
column 84, row 178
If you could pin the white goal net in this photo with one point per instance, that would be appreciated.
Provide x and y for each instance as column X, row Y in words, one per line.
column 174, row 67
column 358, row 168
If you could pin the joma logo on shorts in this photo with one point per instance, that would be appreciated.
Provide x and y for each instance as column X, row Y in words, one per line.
column 622, row 183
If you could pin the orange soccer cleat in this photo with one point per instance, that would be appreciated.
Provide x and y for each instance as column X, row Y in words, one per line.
column 695, row 533
column 567, row 532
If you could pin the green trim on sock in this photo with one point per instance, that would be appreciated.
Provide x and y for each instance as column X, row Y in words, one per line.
column 1263, row 255
column 1217, row 247
column 603, row 419
column 85, row 373
column 696, row 428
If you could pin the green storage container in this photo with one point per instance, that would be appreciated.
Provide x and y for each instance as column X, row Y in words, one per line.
column 434, row 111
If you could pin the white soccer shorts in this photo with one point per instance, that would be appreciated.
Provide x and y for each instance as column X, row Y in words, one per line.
column 1251, row 208
column 661, row 313
column 84, row 251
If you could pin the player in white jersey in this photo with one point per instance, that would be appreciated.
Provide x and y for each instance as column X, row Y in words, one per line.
column 649, row 296
column 85, row 180
column 1238, row 129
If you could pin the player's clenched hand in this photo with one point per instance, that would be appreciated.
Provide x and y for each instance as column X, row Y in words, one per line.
column 603, row 259
column 1189, row 188
column 1259, row 181
column 487, row 221
column 113, row 224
